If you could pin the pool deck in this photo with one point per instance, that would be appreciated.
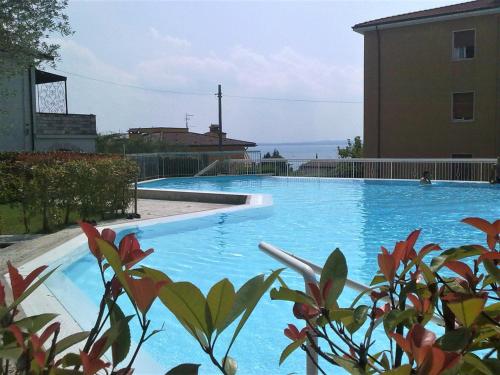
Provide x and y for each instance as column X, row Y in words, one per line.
column 24, row 251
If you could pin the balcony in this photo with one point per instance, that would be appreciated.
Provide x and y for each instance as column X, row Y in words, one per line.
column 55, row 128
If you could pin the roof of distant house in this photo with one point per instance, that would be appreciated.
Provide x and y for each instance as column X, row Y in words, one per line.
column 457, row 10
column 183, row 137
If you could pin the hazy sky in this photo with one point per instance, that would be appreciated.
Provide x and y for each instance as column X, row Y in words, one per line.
column 295, row 50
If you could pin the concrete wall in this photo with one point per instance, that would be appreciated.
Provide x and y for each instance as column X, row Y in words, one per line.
column 15, row 113
column 65, row 124
column 56, row 131
column 417, row 79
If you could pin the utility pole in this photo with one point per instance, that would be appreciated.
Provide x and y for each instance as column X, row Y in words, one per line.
column 188, row 116
column 219, row 95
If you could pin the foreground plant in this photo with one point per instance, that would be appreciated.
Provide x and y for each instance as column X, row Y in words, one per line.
column 458, row 288
column 32, row 345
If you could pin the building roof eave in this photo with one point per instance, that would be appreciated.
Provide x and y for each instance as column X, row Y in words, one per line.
column 389, row 22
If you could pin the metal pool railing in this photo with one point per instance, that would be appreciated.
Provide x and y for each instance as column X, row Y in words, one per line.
column 308, row 271
column 439, row 169
column 188, row 164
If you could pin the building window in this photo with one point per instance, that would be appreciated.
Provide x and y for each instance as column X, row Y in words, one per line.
column 463, row 106
column 464, row 44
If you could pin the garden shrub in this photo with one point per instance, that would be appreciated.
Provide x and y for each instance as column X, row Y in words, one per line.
column 54, row 184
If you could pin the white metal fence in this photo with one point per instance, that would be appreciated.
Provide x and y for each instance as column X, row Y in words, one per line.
column 251, row 163
column 439, row 169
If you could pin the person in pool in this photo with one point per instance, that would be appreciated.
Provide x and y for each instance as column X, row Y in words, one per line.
column 495, row 173
column 425, row 179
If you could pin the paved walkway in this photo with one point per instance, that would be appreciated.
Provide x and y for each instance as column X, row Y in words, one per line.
column 25, row 251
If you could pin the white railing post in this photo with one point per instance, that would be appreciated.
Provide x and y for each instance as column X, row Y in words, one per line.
column 309, row 277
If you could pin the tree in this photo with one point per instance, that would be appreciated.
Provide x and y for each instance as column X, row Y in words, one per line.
column 352, row 150
column 25, row 28
column 275, row 155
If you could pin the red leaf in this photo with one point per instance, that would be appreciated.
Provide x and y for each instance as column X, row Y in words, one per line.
column 49, row 331
column 460, row 268
column 18, row 335
column 412, row 238
column 108, row 235
column 92, row 365
column 494, row 255
column 292, row 332
column 18, row 283
column 314, row 289
column 387, row 266
column 482, row 225
column 143, row 291
column 92, row 233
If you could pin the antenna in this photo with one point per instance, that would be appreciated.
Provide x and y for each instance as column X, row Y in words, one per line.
column 187, row 117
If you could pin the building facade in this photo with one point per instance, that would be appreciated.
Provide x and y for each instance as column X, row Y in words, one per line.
column 34, row 115
column 432, row 83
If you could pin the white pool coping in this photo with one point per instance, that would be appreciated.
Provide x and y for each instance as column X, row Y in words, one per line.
column 42, row 300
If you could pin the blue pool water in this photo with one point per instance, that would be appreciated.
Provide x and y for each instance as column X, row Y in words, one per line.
column 309, row 217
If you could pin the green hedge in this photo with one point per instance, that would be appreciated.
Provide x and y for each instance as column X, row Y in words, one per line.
column 55, row 184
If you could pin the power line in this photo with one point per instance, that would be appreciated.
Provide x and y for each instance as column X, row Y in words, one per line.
column 190, row 93
column 294, row 100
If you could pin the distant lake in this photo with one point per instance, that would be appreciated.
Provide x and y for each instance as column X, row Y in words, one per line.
column 303, row 150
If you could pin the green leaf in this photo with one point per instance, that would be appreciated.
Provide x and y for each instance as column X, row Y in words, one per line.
column 253, row 297
column 187, row 303
column 34, row 323
column 467, row 311
column 477, row 363
column 455, row 340
column 350, row 366
column 285, row 294
column 493, row 364
column 492, row 270
column 335, row 269
column 12, row 353
column 120, row 346
column 455, row 253
column 377, row 279
column 184, row 369
column 70, row 360
column 113, row 258
column 290, row 349
column 155, row 275
column 70, row 340
column 359, row 316
column 220, row 300
column 402, row 370
column 395, row 317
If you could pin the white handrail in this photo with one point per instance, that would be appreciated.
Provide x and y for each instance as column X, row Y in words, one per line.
column 308, row 270
column 309, row 276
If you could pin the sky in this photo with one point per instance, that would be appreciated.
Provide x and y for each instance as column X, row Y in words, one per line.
column 148, row 63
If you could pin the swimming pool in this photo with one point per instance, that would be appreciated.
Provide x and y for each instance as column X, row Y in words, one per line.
column 309, row 217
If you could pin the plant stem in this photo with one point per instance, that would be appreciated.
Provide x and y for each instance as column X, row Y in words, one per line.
column 141, row 341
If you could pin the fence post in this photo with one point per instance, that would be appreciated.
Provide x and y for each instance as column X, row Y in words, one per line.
column 135, row 196
column 392, row 176
column 435, row 170
column 352, row 165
